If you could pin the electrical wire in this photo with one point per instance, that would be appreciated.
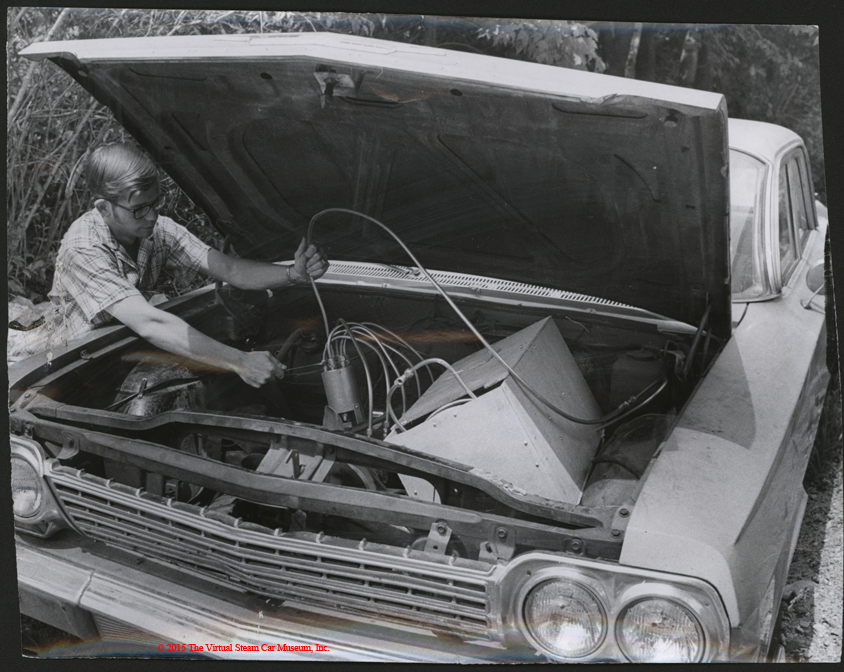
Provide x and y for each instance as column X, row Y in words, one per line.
column 451, row 404
column 384, row 346
column 411, row 372
column 378, row 354
column 403, row 342
column 319, row 300
column 612, row 416
column 368, row 377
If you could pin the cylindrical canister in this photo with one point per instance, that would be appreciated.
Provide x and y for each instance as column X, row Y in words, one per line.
column 342, row 392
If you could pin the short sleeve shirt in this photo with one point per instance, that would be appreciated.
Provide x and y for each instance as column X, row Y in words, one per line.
column 94, row 271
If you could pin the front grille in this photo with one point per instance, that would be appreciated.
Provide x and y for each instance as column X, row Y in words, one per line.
column 436, row 592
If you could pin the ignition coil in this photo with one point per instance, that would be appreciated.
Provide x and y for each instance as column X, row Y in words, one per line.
column 341, row 389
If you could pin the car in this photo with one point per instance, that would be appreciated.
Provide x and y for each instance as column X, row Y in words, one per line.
column 553, row 400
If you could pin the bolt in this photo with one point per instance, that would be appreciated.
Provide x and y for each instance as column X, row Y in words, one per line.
column 624, row 513
column 13, row 410
column 27, row 395
column 441, row 528
column 616, row 533
column 488, row 547
column 502, row 533
column 71, row 443
column 576, row 545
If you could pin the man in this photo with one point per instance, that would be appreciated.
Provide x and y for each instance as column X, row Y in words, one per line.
column 115, row 251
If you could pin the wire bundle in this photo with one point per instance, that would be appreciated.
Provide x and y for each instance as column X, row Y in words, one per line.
column 394, row 356
column 625, row 409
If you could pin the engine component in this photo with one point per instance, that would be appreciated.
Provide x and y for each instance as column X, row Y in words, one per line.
column 152, row 387
column 631, row 372
column 342, row 393
column 623, row 460
column 505, row 431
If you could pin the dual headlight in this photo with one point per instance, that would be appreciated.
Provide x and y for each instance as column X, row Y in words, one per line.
column 34, row 506
column 582, row 613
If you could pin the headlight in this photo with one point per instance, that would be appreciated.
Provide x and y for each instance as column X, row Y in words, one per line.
column 656, row 629
column 565, row 617
column 27, row 488
column 579, row 610
column 35, row 508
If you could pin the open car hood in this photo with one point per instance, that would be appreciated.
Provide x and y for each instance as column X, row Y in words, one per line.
column 593, row 184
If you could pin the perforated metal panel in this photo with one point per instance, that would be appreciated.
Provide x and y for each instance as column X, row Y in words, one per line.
column 448, row 279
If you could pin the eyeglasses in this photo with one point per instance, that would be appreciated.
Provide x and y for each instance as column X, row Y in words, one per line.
column 143, row 211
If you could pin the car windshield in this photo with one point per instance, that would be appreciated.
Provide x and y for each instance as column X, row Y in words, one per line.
column 746, row 180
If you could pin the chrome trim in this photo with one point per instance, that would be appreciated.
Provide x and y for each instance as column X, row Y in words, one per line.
column 475, row 600
column 619, row 587
column 23, row 457
column 570, row 575
column 646, row 591
column 428, row 590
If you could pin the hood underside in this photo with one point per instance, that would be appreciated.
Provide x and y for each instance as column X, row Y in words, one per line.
column 593, row 184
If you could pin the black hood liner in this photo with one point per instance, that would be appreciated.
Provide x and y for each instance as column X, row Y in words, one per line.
column 625, row 200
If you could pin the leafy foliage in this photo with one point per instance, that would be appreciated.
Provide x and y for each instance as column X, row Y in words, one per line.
column 769, row 73
column 562, row 43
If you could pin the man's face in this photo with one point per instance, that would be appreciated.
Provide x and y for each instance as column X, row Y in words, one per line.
column 121, row 220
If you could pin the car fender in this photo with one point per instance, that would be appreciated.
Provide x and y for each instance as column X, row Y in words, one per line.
column 726, row 487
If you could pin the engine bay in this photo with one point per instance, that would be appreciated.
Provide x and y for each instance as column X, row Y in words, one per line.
column 404, row 372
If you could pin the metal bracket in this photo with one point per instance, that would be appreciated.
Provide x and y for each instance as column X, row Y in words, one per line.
column 438, row 538
column 501, row 546
column 283, row 461
column 279, row 459
column 70, row 447
column 622, row 516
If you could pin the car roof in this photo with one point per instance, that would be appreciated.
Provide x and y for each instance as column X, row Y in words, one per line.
column 759, row 138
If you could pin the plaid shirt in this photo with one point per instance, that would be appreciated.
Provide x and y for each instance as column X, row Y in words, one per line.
column 94, row 271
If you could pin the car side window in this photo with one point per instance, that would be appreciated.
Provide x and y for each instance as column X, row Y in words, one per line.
column 794, row 212
column 788, row 247
column 799, row 206
column 747, row 177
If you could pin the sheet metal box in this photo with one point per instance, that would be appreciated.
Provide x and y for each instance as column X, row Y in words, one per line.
column 506, row 432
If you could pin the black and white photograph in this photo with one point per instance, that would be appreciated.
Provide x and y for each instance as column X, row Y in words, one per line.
column 370, row 337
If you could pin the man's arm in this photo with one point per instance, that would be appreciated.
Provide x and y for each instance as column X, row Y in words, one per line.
column 248, row 274
column 173, row 334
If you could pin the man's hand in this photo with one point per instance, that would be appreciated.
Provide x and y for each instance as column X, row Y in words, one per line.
column 308, row 261
column 256, row 368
